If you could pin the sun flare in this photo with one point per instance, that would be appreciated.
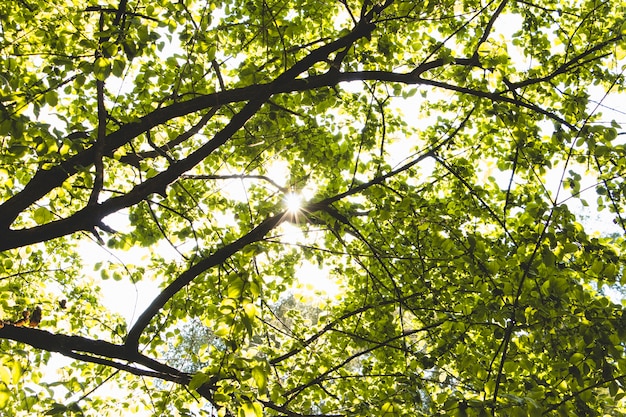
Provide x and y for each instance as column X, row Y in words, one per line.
column 293, row 203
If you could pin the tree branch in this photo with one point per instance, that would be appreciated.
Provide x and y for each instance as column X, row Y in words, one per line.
column 44, row 181
column 84, row 349
column 72, row 346
column 566, row 65
column 134, row 159
column 217, row 258
column 101, row 130
column 236, row 176
column 130, row 369
column 489, row 26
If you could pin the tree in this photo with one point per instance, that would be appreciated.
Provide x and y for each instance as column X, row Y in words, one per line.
column 425, row 138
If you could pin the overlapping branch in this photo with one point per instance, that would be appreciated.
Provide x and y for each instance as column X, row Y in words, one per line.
column 90, row 216
column 46, row 180
column 90, row 350
column 124, row 356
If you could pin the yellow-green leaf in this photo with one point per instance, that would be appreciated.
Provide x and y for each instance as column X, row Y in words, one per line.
column 5, row 374
column 198, row 380
column 387, row 409
column 5, row 395
column 260, row 378
column 42, row 215
column 235, row 288
column 16, row 371
column 102, row 68
column 222, row 330
column 251, row 409
column 249, row 310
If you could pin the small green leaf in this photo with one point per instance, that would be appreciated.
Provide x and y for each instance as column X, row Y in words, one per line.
column 597, row 266
column 198, row 380
column 42, row 215
column 102, row 68
column 5, row 395
column 222, row 330
column 5, row 374
column 235, row 288
column 490, row 386
column 260, row 378
column 251, row 409
column 118, row 67
column 255, row 290
column 570, row 248
column 610, row 271
column 249, row 310
column 211, row 53
column 56, row 410
column 387, row 409
column 16, row 371
column 576, row 358
column 52, row 98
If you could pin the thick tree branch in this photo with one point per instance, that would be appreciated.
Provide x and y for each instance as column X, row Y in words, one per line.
column 217, row 258
column 100, row 352
column 46, row 180
column 71, row 345
column 42, row 339
column 91, row 216
column 127, row 368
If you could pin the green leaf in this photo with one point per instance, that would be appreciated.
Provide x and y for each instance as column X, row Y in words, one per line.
column 102, row 68
column 118, row 67
column 198, row 380
column 223, row 330
column 16, row 371
column 260, row 378
column 387, row 409
column 5, row 396
column 42, row 215
column 251, row 409
column 250, row 311
column 235, row 288
column 490, row 387
column 57, row 409
column 5, row 375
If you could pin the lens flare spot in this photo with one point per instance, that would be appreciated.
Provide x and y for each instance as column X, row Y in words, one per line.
column 293, row 202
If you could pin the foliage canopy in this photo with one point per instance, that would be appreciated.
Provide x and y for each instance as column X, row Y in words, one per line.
column 445, row 152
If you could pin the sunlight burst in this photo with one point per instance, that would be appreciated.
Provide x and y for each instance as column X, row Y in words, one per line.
column 293, row 203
